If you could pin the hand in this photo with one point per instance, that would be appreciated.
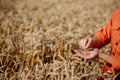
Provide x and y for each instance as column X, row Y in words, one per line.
column 90, row 54
column 86, row 43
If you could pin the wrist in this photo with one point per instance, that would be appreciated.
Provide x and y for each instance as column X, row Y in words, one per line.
column 97, row 50
column 100, row 55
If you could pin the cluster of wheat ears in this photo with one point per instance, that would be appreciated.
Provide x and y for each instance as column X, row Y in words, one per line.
column 38, row 38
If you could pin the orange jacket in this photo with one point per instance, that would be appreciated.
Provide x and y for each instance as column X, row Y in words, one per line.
column 111, row 34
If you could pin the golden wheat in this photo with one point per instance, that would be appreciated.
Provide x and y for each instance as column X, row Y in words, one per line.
column 38, row 38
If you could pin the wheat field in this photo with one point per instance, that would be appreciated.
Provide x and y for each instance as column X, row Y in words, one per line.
column 38, row 38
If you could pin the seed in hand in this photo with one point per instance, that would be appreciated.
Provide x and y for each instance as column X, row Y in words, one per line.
column 87, row 52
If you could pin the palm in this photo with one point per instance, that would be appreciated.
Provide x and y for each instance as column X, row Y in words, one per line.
column 91, row 54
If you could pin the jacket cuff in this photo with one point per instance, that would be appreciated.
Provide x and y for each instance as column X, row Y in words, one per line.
column 97, row 42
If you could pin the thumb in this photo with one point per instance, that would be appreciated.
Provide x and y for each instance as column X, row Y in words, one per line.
column 88, row 43
column 77, row 52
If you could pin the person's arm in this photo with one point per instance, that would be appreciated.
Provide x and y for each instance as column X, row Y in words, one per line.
column 101, row 38
column 113, row 60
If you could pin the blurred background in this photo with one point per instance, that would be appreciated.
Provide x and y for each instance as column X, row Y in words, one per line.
column 37, row 38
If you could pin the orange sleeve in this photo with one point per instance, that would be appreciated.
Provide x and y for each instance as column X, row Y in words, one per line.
column 104, row 34
column 116, row 62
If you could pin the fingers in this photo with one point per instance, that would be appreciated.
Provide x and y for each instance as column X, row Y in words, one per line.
column 88, row 44
column 82, row 43
column 85, row 43
column 92, row 54
column 79, row 53
column 82, row 54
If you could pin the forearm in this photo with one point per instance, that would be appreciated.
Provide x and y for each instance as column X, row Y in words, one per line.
column 105, row 57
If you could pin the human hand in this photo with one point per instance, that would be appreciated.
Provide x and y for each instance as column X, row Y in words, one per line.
column 87, row 54
column 86, row 43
